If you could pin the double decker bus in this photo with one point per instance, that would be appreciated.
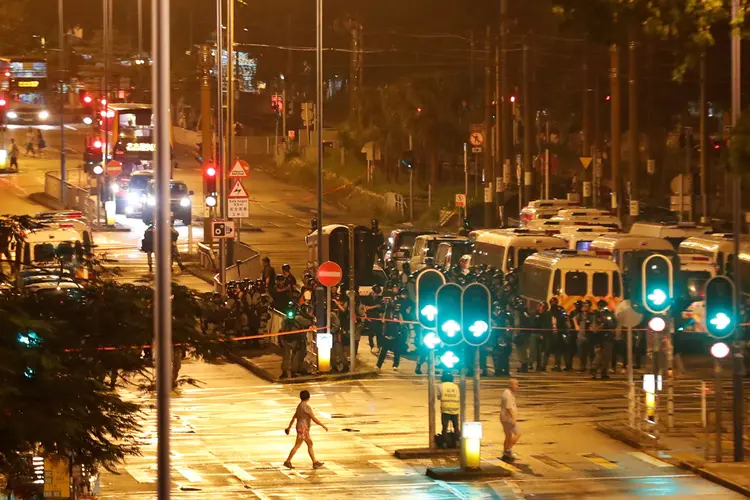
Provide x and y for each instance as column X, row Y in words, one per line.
column 26, row 89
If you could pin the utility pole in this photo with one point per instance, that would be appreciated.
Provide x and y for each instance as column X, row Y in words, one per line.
column 497, row 167
column 161, row 85
column 354, row 69
column 319, row 119
column 702, row 139
column 527, row 125
column 738, row 410
column 206, row 133
column 231, row 102
column 586, row 134
column 489, row 171
column 614, row 157
column 63, row 94
column 221, row 171
column 633, row 127
column 504, row 117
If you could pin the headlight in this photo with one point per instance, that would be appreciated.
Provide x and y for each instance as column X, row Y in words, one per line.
column 152, row 201
column 134, row 198
column 115, row 188
column 88, row 121
column 12, row 115
column 185, row 202
column 43, row 115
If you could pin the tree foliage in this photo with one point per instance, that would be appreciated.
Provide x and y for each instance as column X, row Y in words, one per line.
column 63, row 359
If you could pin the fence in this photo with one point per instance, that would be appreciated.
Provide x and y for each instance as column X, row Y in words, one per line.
column 71, row 196
column 243, row 144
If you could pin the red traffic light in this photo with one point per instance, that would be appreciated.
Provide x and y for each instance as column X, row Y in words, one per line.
column 211, row 171
column 88, row 99
column 103, row 102
column 3, row 102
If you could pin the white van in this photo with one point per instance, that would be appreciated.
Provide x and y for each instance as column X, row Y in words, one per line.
column 542, row 209
column 506, row 249
column 40, row 247
column 718, row 248
column 674, row 233
column 618, row 247
column 586, row 216
column 426, row 246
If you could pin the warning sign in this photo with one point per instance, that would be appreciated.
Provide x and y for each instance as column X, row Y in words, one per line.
column 239, row 169
column 237, row 191
column 238, row 208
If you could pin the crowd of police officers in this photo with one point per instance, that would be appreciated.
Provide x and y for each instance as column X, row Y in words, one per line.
column 546, row 338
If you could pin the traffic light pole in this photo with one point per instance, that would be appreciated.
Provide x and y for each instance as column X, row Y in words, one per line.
column 431, row 397
column 220, row 171
column 352, row 300
column 631, row 383
column 670, row 377
column 719, row 403
column 476, row 383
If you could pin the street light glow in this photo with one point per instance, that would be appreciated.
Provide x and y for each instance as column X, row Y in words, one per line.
column 430, row 312
column 451, row 328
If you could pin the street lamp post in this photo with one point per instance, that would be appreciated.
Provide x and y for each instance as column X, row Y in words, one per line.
column 160, row 29
column 221, row 171
column 63, row 171
column 319, row 119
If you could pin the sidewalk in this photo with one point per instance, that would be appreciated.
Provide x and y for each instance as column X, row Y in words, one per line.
column 265, row 362
column 687, row 452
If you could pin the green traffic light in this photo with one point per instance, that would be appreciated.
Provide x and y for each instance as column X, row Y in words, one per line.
column 721, row 321
column 429, row 311
column 451, row 328
column 657, row 297
column 449, row 359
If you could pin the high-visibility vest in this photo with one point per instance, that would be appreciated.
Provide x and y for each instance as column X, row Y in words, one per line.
column 449, row 402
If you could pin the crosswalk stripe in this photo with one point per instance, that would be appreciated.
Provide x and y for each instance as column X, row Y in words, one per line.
column 338, row 470
column 140, row 475
column 241, row 473
column 260, row 495
column 598, row 460
column 390, row 468
column 190, row 474
column 551, row 462
column 505, row 465
column 290, row 473
column 649, row 459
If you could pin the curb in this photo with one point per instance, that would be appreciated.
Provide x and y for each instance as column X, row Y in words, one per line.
column 623, row 437
column 409, row 453
column 268, row 376
column 715, row 478
column 46, row 201
column 456, row 474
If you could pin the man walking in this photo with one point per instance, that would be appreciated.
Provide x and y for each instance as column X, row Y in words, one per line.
column 13, row 153
column 509, row 419
column 303, row 415
column 447, row 394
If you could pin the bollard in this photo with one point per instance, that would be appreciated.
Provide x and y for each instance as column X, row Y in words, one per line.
column 471, row 444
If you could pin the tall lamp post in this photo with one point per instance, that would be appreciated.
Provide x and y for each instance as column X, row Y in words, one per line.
column 61, row 33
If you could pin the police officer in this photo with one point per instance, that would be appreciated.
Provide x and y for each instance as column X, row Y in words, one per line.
column 543, row 322
column 391, row 333
column 293, row 344
column 606, row 325
column 584, row 322
column 448, row 396
column 502, row 340
column 555, row 339
column 147, row 245
column 378, row 240
column 290, row 282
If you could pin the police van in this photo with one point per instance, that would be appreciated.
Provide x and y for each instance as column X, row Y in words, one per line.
column 507, row 249
column 619, row 247
column 542, row 209
column 586, row 216
column 674, row 233
column 580, row 237
column 569, row 276
column 42, row 247
column 426, row 247
column 718, row 248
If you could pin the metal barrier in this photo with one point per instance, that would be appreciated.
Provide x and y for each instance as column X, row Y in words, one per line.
column 247, row 265
column 71, row 196
column 207, row 257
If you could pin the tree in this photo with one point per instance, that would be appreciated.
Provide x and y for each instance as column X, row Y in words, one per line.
column 62, row 359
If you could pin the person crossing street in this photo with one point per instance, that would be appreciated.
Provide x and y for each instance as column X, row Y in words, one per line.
column 304, row 416
column 509, row 419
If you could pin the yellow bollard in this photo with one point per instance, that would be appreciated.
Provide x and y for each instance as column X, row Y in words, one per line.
column 471, row 444
column 325, row 344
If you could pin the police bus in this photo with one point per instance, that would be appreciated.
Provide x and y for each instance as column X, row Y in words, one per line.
column 543, row 209
column 718, row 248
column 674, row 233
column 507, row 249
column 569, row 276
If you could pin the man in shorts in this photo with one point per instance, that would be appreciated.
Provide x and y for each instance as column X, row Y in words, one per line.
column 509, row 419
column 304, row 416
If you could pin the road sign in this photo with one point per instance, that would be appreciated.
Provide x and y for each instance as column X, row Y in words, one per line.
column 239, row 169
column 238, row 208
column 114, row 168
column 237, row 191
column 687, row 184
column 329, row 274
column 56, row 476
column 461, row 200
column 674, row 203
column 476, row 149
column 222, row 229
column 651, row 167
column 634, row 208
column 586, row 161
column 476, row 138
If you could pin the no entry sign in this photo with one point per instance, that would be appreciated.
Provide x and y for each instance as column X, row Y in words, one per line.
column 329, row 274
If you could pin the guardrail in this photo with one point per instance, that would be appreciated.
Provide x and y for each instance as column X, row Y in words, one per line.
column 71, row 196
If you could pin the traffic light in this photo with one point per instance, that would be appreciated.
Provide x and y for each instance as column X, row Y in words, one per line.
column 657, row 283
column 428, row 282
column 721, row 308
column 407, row 159
column 449, row 359
column 290, row 312
column 209, row 183
column 476, row 302
column 449, row 314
